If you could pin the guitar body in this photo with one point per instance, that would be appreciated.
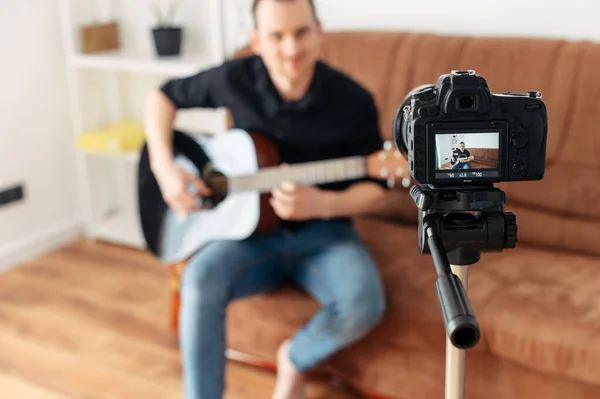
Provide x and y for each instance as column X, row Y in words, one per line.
column 237, row 216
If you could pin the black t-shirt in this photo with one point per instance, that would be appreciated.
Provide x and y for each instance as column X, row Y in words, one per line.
column 456, row 154
column 336, row 118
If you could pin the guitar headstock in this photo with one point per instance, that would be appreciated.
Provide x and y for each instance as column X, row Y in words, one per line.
column 389, row 164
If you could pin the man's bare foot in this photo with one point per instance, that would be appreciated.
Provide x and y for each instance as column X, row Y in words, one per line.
column 290, row 382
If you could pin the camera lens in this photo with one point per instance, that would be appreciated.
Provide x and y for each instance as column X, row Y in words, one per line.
column 466, row 102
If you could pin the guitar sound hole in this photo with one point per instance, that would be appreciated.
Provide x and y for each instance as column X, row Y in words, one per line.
column 217, row 182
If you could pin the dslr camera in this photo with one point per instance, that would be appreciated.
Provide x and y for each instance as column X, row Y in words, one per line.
column 459, row 140
column 457, row 132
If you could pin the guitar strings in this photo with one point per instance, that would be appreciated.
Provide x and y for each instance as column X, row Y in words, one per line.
column 325, row 171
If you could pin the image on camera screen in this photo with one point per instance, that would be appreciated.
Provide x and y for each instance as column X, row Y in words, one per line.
column 460, row 151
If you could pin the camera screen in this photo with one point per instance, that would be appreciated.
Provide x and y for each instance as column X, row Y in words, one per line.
column 467, row 155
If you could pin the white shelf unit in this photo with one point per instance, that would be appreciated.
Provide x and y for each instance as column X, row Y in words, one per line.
column 136, row 63
column 111, row 86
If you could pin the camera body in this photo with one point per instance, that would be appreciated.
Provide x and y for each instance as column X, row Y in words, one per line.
column 457, row 132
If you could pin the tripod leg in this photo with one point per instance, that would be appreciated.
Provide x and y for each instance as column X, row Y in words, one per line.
column 455, row 358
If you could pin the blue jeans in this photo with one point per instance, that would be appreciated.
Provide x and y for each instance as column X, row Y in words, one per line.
column 326, row 258
column 461, row 166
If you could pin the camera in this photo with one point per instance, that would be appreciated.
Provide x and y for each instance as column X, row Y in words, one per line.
column 457, row 132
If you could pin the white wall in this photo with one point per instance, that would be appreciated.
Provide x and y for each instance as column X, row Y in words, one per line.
column 575, row 19
column 480, row 140
column 443, row 145
column 35, row 132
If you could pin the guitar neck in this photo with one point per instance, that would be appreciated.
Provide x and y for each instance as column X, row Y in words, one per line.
column 309, row 173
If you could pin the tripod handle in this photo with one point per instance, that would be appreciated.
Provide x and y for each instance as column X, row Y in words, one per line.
column 459, row 319
column 460, row 322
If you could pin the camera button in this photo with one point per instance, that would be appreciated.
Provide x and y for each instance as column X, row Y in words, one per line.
column 533, row 106
column 518, row 168
column 519, row 140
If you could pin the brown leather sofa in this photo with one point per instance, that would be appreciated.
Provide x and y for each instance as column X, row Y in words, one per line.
column 483, row 158
column 538, row 305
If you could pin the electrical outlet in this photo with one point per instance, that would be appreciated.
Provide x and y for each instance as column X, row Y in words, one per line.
column 11, row 194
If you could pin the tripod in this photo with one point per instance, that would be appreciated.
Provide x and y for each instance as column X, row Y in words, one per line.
column 457, row 224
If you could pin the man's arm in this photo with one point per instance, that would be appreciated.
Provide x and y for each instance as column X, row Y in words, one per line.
column 159, row 118
column 202, row 90
column 363, row 198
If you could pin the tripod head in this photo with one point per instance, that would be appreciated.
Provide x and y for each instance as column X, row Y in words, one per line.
column 457, row 224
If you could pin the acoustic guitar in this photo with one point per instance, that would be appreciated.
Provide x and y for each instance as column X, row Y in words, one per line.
column 248, row 168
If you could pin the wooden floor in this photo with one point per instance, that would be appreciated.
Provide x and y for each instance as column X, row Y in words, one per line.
column 90, row 321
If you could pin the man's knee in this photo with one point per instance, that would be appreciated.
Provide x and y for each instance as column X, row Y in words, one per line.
column 358, row 314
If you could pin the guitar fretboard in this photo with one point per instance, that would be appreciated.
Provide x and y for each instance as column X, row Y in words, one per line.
column 309, row 173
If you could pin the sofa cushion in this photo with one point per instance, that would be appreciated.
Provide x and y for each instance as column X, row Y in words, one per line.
column 537, row 307
column 546, row 315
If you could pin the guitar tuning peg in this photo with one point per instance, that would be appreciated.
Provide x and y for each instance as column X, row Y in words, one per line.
column 399, row 171
column 391, row 182
column 388, row 145
column 405, row 182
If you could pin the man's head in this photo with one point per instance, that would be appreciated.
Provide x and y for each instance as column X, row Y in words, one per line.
column 287, row 35
column 462, row 146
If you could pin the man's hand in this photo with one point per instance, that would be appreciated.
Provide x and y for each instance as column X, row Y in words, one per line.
column 292, row 202
column 174, row 183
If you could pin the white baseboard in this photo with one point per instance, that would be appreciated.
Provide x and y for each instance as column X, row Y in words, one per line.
column 36, row 244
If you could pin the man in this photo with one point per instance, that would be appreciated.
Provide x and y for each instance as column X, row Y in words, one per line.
column 312, row 112
column 461, row 157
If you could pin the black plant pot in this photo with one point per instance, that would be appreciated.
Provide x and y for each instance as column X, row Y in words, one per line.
column 167, row 41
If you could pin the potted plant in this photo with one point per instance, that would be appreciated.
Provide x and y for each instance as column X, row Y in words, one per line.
column 167, row 35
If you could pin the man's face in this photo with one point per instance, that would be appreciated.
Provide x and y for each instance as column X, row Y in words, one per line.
column 287, row 37
column 462, row 147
